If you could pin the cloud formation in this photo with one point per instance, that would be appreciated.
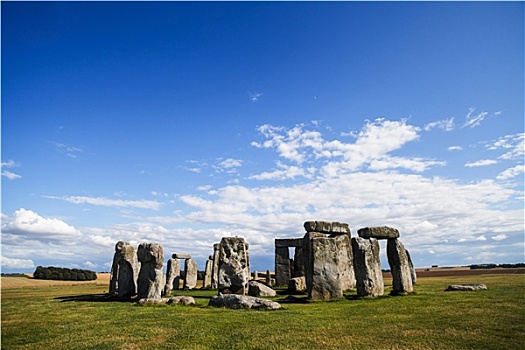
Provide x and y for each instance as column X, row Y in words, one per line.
column 9, row 174
column 101, row 201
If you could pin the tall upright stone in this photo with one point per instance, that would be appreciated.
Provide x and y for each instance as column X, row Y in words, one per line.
column 234, row 266
column 215, row 270
column 367, row 267
column 399, row 266
column 172, row 276
column 125, row 271
column 324, row 282
column 345, row 260
column 413, row 274
column 190, row 270
column 208, row 270
column 282, row 266
column 151, row 257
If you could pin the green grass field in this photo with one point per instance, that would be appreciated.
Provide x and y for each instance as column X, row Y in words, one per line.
column 58, row 317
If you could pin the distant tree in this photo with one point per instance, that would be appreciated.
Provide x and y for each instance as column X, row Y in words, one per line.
column 60, row 273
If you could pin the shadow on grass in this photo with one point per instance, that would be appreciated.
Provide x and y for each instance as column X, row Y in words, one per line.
column 94, row 297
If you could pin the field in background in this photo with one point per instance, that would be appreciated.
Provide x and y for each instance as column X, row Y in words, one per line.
column 73, row 316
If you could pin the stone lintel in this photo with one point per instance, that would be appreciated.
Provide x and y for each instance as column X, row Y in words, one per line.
column 288, row 242
column 327, row 227
column 181, row 256
column 378, row 232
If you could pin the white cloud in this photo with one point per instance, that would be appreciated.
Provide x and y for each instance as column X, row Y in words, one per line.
column 515, row 144
column 101, row 201
column 499, row 237
column 70, row 151
column 511, row 172
column 31, row 225
column 482, row 162
column 474, row 120
column 9, row 174
column 445, row 124
column 254, row 96
column 90, row 265
column 455, row 148
column 17, row 263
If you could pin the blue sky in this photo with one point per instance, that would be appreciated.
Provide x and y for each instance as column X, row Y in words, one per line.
column 181, row 123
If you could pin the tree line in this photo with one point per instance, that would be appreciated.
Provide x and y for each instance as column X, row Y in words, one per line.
column 64, row 274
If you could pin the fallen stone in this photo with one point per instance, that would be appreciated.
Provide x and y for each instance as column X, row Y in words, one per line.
column 181, row 300
column 463, row 287
column 153, row 301
column 235, row 301
column 380, row 232
column 297, row 284
column 259, row 289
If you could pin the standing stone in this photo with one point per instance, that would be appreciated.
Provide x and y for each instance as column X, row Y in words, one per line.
column 268, row 278
column 172, row 276
column 151, row 257
column 346, row 264
column 255, row 275
column 207, row 273
column 398, row 261
column 282, row 266
column 190, row 270
column 234, row 266
column 412, row 269
column 367, row 267
column 126, row 271
column 113, row 282
column 325, row 282
column 299, row 259
column 215, row 271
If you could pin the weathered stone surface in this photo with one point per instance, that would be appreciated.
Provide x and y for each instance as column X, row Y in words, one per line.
column 367, row 267
column 299, row 261
column 259, row 289
column 181, row 300
column 215, row 271
column 379, row 232
column 234, row 266
column 207, row 274
column 345, row 260
column 307, row 247
column 288, row 242
column 172, row 276
column 190, row 270
column 233, row 301
column 399, row 266
column 340, row 228
column 297, row 284
column 124, row 271
column 181, row 256
column 327, row 227
column 413, row 274
column 150, row 279
column 282, row 266
column 465, row 287
column 268, row 278
column 325, row 283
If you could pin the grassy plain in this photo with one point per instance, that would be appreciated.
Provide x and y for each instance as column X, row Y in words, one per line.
column 70, row 317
